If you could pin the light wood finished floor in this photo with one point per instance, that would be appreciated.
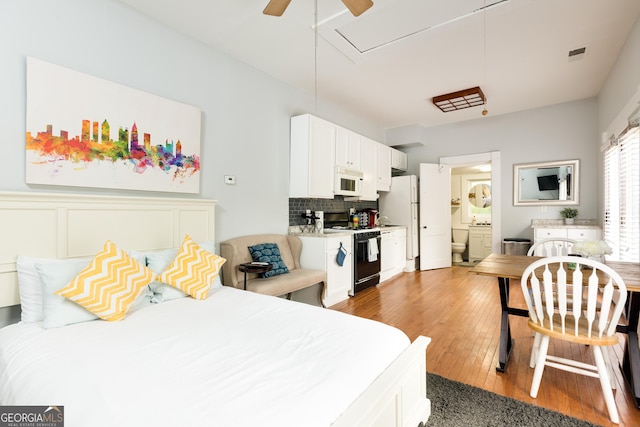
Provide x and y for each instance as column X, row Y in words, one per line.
column 461, row 313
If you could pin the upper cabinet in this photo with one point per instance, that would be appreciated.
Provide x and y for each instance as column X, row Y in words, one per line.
column 312, row 157
column 319, row 146
column 348, row 151
column 399, row 160
column 383, row 162
column 369, row 168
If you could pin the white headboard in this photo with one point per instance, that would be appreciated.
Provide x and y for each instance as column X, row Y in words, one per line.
column 52, row 225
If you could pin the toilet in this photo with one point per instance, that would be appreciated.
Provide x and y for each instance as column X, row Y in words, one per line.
column 459, row 244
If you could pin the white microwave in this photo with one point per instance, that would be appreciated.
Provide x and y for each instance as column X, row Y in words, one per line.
column 348, row 182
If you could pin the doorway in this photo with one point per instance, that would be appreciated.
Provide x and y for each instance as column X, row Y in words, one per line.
column 492, row 159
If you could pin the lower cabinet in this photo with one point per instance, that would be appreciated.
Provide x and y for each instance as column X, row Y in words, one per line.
column 320, row 253
column 393, row 252
column 479, row 242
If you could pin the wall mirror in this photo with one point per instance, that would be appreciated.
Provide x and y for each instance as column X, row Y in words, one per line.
column 480, row 195
column 476, row 198
column 546, row 183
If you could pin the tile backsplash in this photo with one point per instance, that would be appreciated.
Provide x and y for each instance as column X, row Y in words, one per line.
column 297, row 207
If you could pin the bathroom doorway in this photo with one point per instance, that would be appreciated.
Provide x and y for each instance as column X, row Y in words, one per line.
column 491, row 161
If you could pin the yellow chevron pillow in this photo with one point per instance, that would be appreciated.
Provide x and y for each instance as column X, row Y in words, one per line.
column 108, row 286
column 193, row 269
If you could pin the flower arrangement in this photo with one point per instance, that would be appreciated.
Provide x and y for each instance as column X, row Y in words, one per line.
column 592, row 248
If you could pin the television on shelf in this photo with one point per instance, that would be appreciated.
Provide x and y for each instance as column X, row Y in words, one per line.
column 548, row 182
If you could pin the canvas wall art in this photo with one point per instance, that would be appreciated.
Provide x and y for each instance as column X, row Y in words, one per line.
column 85, row 131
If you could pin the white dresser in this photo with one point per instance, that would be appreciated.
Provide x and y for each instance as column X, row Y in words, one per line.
column 583, row 229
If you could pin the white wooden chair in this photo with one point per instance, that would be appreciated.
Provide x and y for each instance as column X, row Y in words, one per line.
column 567, row 305
column 554, row 246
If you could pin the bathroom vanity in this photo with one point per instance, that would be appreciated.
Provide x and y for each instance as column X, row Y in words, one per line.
column 479, row 242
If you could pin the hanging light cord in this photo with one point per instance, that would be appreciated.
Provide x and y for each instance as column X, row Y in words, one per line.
column 484, row 53
column 315, row 55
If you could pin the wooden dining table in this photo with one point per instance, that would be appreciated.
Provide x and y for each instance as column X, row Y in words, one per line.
column 507, row 267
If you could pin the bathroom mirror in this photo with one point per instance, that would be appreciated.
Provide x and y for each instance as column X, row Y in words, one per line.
column 546, row 183
column 476, row 198
column 480, row 195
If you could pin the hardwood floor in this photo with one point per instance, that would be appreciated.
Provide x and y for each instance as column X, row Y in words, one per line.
column 461, row 314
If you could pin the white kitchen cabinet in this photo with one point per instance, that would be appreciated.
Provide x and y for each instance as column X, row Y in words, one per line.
column 383, row 163
column 369, row 168
column 320, row 252
column 479, row 242
column 348, row 149
column 312, row 157
column 393, row 252
column 399, row 160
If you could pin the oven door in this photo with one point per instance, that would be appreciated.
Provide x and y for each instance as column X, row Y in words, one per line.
column 366, row 272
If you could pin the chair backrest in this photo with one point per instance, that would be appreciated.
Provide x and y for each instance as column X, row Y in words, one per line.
column 554, row 246
column 580, row 290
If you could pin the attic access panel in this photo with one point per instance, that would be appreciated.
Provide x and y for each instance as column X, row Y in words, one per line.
column 395, row 20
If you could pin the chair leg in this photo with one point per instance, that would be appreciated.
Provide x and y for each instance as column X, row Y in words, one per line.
column 534, row 350
column 605, row 383
column 537, row 373
column 607, row 361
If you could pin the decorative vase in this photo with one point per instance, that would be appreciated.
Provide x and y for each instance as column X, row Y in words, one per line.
column 569, row 221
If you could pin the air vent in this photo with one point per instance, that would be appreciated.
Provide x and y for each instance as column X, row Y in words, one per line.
column 577, row 53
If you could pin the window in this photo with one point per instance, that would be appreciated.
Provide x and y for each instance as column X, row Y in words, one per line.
column 622, row 195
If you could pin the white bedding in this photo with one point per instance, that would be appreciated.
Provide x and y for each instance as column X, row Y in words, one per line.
column 234, row 359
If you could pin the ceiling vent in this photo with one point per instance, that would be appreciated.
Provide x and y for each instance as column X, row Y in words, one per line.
column 575, row 54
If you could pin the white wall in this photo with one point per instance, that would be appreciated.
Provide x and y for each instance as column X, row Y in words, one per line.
column 621, row 89
column 559, row 132
column 622, row 82
column 245, row 114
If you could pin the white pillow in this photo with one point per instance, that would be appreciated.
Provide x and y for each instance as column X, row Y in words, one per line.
column 56, row 310
column 30, row 285
column 159, row 261
column 59, row 311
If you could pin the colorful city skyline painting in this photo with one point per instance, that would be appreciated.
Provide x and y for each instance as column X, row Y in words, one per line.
column 85, row 131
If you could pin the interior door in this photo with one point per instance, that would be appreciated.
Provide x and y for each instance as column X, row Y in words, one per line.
column 435, row 216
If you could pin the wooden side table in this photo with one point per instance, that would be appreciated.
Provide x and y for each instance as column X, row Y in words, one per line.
column 253, row 268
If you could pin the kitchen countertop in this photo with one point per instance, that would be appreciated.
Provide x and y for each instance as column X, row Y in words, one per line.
column 295, row 230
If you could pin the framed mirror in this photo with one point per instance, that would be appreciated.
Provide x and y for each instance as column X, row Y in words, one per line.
column 546, row 183
column 476, row 198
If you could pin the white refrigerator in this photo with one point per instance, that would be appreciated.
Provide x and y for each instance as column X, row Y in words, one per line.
column 400, row 206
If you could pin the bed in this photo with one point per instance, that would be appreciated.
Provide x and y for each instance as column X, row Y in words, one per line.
column 233, row 358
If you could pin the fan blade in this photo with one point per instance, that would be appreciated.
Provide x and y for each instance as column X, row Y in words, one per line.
column 357, row 7
column 276, row 7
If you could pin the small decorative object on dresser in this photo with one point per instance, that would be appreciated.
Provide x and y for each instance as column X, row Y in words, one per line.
column 569, row 215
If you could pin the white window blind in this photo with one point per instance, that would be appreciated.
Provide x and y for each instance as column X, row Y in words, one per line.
column 622, row 195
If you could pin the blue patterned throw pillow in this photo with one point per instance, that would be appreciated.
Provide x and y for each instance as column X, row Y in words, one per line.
column 269, row 252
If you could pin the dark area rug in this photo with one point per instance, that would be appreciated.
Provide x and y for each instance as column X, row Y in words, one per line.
column 456, row 404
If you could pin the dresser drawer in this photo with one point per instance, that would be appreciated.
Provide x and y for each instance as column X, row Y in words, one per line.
column 548, row 233
column 583, row 233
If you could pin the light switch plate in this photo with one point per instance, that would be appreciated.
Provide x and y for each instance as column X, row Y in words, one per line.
column 229, row 179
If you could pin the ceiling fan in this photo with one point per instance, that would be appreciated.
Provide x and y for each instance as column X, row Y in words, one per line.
column 357, row 7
